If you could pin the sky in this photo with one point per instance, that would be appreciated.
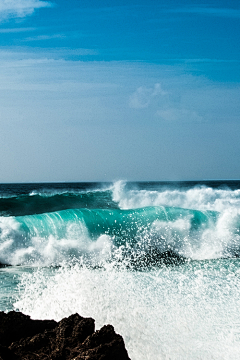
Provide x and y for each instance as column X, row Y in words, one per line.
column 100, row 90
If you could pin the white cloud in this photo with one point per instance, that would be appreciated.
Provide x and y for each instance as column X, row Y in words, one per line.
column 167, row 96
column 20, row 53
column 16, row 30
column 20, row 8
column 205, row 60
column 143, row 96
column 162, row 104
column 46, row 37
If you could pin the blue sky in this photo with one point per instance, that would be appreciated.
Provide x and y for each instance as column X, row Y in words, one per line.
column 107, row 90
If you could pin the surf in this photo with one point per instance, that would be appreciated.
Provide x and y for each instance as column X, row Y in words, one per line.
column 50, row 238
column 159, row 261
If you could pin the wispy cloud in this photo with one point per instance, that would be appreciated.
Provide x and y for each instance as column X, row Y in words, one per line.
column 45, row 37
column 162, row 104
column 223, row 12
column 20, row 8
column 16, row 30
column 18, row 53
column 79, row 110
column 204, row 60
column 143, row 96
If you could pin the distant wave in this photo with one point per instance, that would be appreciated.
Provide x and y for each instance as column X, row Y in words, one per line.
column 38, row 203
column 121, row 195
column 198, row 197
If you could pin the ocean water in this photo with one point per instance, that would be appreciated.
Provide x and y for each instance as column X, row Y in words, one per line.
column 157, row 260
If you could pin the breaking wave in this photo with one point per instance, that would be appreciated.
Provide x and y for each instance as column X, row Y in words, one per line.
column 105, row 235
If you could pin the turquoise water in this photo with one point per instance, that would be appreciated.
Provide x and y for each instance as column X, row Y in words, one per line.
column 158, row 261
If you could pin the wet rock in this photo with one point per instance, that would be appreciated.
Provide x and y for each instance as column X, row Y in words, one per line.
column 70, row 338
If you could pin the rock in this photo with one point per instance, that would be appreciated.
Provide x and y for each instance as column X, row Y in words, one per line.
column 70, row 338
column 104, row 344
column 5, row 353
column 3, row 266
column 15, row 325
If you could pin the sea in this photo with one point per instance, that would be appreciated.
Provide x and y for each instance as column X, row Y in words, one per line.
column 157, row 260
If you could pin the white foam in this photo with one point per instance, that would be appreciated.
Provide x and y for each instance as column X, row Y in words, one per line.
column 38, row 249
column 63, row 240
column 197, row 198
column 219, row 239
column 181, row 313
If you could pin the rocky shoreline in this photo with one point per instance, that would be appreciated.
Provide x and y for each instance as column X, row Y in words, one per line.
column 72, row 338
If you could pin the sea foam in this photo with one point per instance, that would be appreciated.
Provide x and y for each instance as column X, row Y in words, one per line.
column 189, row 312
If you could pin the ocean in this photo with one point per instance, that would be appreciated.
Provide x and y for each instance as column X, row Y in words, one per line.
column 157, row 260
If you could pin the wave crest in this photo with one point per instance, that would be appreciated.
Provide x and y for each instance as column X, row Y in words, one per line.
column 139, row 236
column 197, row 198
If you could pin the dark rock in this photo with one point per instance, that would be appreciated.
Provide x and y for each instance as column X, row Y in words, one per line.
column 6, row 353
column 104, row 344
column 70, row 338
column 3, row 266
column 15, row 325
